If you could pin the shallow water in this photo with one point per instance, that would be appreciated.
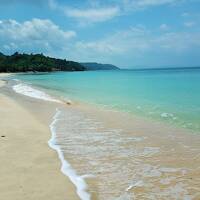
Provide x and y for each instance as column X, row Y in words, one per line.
column 121, row 164
column 168, row 95
column 118, row 156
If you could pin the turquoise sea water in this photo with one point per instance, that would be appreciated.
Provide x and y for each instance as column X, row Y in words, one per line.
column 171, row 95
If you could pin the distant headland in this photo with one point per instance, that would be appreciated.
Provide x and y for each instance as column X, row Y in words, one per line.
column 98, row 66
column 40, row 63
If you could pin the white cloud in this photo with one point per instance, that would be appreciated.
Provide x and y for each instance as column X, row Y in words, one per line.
column 134, row 39
column 185, row 14
column 137, row 42
column 154, row 2
column 164, row 27
column 92, row 15
column 134, row 43
column 178, row 42
column 33, row 2
column 189, row 24
column 137, row 4
column 37, row 34
column 53, row 4
column 93, row 11
column 133, row 5
column 89, row 14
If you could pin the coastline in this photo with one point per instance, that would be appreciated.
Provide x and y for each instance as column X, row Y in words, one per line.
column 2, row 76
column 30, row 169
column 166, row 152
column 2, row 83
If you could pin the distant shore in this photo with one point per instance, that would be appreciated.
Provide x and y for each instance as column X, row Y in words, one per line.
column 29, row 168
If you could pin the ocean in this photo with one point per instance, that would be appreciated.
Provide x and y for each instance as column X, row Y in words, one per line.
column 113, row 139
column 170, row 95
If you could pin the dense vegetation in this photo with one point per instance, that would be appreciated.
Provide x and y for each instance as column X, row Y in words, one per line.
column 36, row 62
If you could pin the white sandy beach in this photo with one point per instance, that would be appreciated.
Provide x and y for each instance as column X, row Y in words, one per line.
column 127, row 155
column 29, row 169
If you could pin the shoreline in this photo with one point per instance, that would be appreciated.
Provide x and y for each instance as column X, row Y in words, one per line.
column 66, row 168
column 2, row 83
column 2, row 76
column 150, row 136
column 165, row 118
column 30, row 168
column 43, row 94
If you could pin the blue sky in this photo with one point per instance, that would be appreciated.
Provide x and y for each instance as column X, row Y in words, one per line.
column 127, row 33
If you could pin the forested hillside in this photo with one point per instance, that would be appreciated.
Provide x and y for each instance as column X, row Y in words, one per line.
column 36, row 62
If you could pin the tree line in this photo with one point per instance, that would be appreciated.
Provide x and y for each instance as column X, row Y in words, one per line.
column 36, row 63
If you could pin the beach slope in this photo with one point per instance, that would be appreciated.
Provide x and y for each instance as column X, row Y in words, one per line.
column 29, row 168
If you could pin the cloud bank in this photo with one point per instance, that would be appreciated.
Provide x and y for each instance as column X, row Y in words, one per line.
column 33, row 36
column 137, row 42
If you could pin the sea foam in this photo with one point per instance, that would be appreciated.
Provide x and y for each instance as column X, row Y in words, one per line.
column 66, row 169
column 27, row 90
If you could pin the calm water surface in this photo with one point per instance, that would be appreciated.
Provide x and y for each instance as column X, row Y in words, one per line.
column 169, row 95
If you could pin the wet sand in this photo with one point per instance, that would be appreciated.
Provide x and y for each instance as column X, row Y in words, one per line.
column 29, row 168
column 128, row 156
column 2, row 83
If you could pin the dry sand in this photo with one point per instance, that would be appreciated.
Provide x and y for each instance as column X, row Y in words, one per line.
column 2, row 76
column 5, row 74
column 29, row 168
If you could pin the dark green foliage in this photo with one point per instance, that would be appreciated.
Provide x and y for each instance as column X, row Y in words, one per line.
column 36, row 62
